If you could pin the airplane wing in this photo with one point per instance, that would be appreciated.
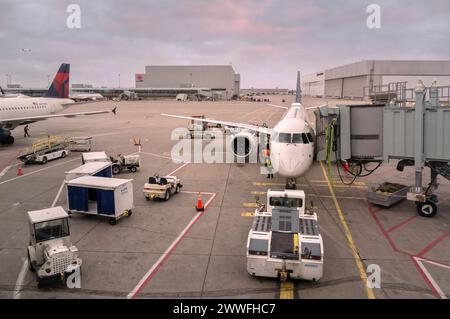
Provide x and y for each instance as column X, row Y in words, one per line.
column 279, row 106
column 44, row 117
column 255, row 128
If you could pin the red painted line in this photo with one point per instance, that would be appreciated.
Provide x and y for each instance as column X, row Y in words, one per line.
column 425, row 278
column 401, row 224
column 149, row 276
column 432, row 244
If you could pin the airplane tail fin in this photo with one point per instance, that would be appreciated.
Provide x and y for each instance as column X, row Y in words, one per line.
column 298, row 93
column 60, row 85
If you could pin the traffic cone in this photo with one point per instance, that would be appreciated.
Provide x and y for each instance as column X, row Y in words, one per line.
column 199, row 207
column 19, row 170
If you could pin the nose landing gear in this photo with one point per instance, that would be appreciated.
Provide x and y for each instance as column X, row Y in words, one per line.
column 291, row 183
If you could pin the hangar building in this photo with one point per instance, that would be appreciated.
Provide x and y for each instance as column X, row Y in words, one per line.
column 362, row 79
column 220, row 79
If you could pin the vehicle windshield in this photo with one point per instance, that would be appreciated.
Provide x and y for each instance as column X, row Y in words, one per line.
column 51, row 229
column 286, row 202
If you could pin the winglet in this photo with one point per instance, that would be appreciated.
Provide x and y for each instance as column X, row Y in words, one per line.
column 114, row 110
column 1, row 91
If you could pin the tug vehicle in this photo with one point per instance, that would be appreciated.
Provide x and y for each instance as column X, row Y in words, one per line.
column 162, row 187
column 51, row 254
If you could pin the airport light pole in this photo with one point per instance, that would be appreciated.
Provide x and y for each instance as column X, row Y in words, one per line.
column 48, row 81
column 119, row 79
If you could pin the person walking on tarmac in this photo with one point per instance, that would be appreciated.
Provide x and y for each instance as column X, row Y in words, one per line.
column 25, row 131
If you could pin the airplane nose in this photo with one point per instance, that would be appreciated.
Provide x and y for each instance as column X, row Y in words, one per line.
column 289, row 167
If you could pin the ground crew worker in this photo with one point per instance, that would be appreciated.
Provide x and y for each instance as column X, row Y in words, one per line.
column 269, row 168
column 25, row 131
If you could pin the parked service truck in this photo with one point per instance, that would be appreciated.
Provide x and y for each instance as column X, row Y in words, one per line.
column 51, row 254
column 284, row 241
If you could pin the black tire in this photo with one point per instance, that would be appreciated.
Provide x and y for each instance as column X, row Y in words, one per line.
column 147, row 198
column 30, row 266
column 116, row 170
column 427, row 209
column 133, row 169
column 177, row 189
column 63, row 154
column 10, row 140
column 130, row 212
column 44, row 160
column 112, row 221
column 167, row 195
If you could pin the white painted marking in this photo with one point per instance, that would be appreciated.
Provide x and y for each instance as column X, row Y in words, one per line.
column 435, row 285
column 435, row 263
column 179, row 168
column 58, row 194
column 39, row 170
column 4, row 171
column 157, row 264
column 20, row 279
column 156, row 155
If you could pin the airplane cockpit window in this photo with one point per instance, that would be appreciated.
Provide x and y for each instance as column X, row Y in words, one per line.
column 310, row 137
column 300, row 138
column 284, row 138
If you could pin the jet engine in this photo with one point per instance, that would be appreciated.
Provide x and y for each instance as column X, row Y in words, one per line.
column 244, row 144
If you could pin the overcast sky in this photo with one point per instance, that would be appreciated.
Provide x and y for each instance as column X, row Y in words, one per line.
column 266, row 41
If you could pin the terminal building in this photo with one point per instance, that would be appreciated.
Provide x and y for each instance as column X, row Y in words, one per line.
column 364, row 79
column 220, row 81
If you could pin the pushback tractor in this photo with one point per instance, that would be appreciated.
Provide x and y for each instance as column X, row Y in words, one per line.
column 284, row 241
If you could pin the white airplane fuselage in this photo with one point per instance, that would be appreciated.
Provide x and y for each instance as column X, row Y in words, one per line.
column 292, row 143
column 12, row 108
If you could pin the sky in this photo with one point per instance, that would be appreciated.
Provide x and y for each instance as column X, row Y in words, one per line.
column 265, row 41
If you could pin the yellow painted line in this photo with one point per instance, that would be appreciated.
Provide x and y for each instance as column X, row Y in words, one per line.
column 337, row 181
column 251, row 205
column 287, row 290
column 348, row 235
column 247, row 214
column 306, row 185
column 258, row 193
column 315, row 195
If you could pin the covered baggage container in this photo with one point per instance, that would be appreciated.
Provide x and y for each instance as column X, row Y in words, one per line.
column 99, row 169
column 94, row 157
column 108, row 197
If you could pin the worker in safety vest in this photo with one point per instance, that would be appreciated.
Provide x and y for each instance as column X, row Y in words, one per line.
column 269, row 167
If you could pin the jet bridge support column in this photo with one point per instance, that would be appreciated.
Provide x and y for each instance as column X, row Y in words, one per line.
column 419, row 161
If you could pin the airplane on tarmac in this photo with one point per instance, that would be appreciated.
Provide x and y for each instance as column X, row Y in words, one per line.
column 291, row 139
column 21, row 110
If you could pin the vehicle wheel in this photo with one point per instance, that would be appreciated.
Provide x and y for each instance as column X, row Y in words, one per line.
column 41, row 283
column 30, row 266
column 63, row 154
column 147, row 198
column 167, row 195
column 44, row 160
column 10, row 140
column 427, row 209
column 177, row 190
column 116, row 170
column 112, row 221
column 130, row 212
column 133, row 169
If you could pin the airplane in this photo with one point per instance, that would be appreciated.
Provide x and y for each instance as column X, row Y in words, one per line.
column 78, row 97
column 291, row 139
column 3, row 94
column 21, row 110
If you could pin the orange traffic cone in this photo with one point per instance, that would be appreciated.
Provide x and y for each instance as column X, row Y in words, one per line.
column 19, row 170
column 199, row 207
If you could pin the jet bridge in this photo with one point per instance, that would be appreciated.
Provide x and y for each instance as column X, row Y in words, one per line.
column 417, row 136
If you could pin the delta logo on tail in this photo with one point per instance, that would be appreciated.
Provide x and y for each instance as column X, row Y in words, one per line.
column 60, row 84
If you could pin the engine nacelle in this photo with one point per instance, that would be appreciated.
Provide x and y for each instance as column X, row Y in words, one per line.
column 244, row 144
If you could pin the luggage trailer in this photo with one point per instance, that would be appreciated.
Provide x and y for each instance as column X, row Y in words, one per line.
column 285, row 244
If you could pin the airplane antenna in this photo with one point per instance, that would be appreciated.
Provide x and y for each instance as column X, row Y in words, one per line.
column 298, row 93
